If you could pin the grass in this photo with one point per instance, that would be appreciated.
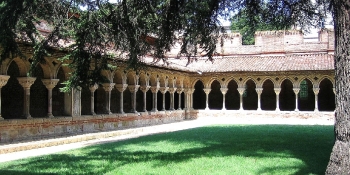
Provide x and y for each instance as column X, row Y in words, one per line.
column 219, row 149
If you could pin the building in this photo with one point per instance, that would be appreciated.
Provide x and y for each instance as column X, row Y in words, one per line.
column 280, row 73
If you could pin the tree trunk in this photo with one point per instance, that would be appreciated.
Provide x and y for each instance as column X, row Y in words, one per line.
column 339, row 162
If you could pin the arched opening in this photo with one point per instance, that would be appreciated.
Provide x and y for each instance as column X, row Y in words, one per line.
column 198, row 96
column 268, row 96
column 149, row 103
column 167, row 100
column 58, row 96
column 232, row 96
column 287, row 96
column 127, row 101
column 85, row 101
column 306, row 96
column 215, row 96
column 12, row 95
column 38, row 95
column 100, row 96
column 250, row 97
column 326, row 97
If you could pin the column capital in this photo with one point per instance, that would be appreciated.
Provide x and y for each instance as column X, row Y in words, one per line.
column 26, row 82
column 259, row 90
column 179, row 90
column 3, row 80
column 108, row 86
column 93, row 87
column 224, row 90
column 121, row 87
column 154, row 89
column 50, row 83
column 207, row 90
column 189, row 90
column 144, row 89
column 296, row 90
column 277, row 90
column 241, row 90
column 172, row 90
column 133, row 88
column 163, row 90
column 316, row 90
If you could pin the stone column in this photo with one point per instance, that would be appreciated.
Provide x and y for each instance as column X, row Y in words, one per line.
column 241, row 91
column 108, row 87
column 26, row 82
column 3, row 81
column 179, row 91
column 163, row 90
column 121, row 88
column 190, row 98
column 133, row 89
column 154, row 90
column 296, row 92
column 144, row 89
column 223, row 91
column 172, row 92
column 50, row 84
column 277, row 91
column 259, row 91
column 207, row 91
column 93, row 88
column 316, row 91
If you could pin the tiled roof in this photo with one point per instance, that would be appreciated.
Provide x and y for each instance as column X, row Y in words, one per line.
column 320, row 61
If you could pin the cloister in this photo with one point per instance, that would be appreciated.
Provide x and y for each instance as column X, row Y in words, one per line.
column 281, row 72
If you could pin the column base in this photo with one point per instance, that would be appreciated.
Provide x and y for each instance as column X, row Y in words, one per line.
column 28, row 117
column 316, row 110
column 179, row 109
column 1, row 118
column 122, row 112
column 93, row 113
column 277, row 110
column 296, row 110
column 154, row 110
column 50, row 115
column 207, row 109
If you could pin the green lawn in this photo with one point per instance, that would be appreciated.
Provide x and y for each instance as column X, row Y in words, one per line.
column 219, row 149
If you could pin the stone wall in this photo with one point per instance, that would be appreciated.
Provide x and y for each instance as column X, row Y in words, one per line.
column 21, row 130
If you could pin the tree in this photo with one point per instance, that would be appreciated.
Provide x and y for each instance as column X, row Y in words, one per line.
column 130, row 29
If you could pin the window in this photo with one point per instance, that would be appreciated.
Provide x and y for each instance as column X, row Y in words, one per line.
column 303, row 93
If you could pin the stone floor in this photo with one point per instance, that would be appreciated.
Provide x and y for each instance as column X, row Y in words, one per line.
column 36, row 148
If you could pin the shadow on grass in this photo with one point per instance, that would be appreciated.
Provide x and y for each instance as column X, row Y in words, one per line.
column 310, row 144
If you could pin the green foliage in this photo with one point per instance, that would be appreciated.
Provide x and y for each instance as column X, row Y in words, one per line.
column 129, row 29
column 221, row 149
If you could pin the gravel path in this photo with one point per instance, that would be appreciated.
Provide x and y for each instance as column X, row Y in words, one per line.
column 137, row 132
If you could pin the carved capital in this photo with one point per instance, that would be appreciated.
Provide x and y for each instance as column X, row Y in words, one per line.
column 258, row 90
column 179, row 90
column 3, row 80
column 172, row 90
column 133, row 88
column 154, row 89
column 108, row 86
column 163, row 90
column 121, row 87
column 26, row 82
column 296, row 90
column 144, row 89
column 277, row 90
column 189, row 90
column 207, row 90
column 316, row 90
column 93, row 87
column 50, row 83
column 241, row 90
column 223, row 90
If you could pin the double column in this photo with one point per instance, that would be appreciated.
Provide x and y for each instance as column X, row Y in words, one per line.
column 163, row 90
column 259, row 91
column 316, row 91
column 49, row 84
column 154, row 90
column 144, row 89
column 241, row 92
column 93, row 88
column 223, row 91
column 277, row 91
column 108, row 87
column 172, row 92
column 26, row 82
column 296, row 92
column 189, row 98
column 133, row 89
column 179, row 91
column 207, row 91
column 121, row 88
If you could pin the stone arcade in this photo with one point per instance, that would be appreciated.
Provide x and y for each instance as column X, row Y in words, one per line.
column 280, row 75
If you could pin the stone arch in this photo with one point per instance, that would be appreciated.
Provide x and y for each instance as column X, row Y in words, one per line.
column 215, row 95
column 132, row 78
column 250, row 97
column 211, row 80
column 108, row 74
column 306, row 97
column 144, row 79
column 274, row 82
column 326, row 77
column 58, row 96
column 326, row 96
column 279, row 83
column 23, row 65
column 300, row 79
column 38, row 94
column 64, row 69
column 194, row 82
column 163, row 81
column 12, row 94
column 268, row 95
column 232, row 98
column 154, row 80
column 287, row 95
column 119, row 77
column 244, row 82
column 199, row 97
column 230, row 79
